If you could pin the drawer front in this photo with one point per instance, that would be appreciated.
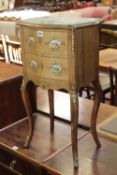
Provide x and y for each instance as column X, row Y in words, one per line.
column 47, row 70
column 10, row 164
column 47, row 43
column 7, row 170
column 52, row 68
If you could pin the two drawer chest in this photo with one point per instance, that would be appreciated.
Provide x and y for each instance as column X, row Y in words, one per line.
column 61, row 53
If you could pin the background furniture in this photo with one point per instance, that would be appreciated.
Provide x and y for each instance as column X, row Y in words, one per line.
column 109, row 33
column 13, row 49
column 11, row 106
column 108, row 58
column 10, row 49
column 113, row 83
column 1, row 50
column 105, row 88
column 4, row 50
column 19, row 3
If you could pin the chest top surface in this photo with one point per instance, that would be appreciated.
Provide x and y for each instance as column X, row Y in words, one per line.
column 60, row 21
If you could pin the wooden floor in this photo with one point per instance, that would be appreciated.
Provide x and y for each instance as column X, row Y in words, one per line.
column 54, row 153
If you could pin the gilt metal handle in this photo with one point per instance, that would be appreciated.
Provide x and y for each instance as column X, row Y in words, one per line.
column 56, row 68
column 12, row 164
column 42, row 85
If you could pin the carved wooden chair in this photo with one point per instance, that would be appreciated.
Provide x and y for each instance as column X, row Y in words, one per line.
column 105, row 85
column 113, row 85
column 14, row 50
column 108, row 38
column 3, row 49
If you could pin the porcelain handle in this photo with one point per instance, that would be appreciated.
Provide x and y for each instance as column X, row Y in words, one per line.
column 56, row 68
column 55, row 44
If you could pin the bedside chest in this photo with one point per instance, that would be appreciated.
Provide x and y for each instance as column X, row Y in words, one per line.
column 61, row 53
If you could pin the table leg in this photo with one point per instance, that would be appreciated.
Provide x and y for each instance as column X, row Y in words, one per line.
column 74, row 126
column 27, row 104
column 51, row 106
column 96, row 104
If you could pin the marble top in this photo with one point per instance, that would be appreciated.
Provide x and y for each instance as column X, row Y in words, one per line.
column 68, row 21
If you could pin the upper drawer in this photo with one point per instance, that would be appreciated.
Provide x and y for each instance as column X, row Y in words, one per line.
column 47, row 43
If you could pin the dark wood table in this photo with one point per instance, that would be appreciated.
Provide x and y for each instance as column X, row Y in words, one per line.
column 111, row 24
column 109, row 33
column 53, row 153
column 107, row 58
column 11, row 106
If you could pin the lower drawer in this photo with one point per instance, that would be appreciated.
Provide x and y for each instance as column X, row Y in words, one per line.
column 7, row 170
column 13, row 165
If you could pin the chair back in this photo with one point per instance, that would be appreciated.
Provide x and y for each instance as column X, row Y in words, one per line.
column 113, row 84
column 14, row 50
column 3, row 49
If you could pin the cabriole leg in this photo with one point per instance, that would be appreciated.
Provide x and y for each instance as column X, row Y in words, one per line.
column 51, row 105
column 96, row 104
column 74, row 125
column 27, row 104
